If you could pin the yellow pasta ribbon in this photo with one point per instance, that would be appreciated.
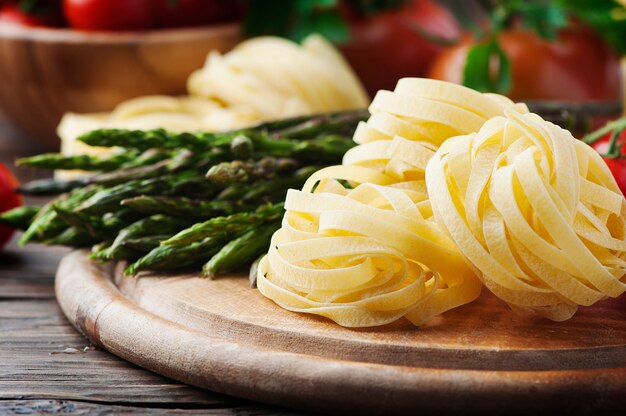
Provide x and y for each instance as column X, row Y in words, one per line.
column 535, row 211
column 371, row 253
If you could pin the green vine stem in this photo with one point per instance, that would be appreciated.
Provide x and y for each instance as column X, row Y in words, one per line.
column 615, row 127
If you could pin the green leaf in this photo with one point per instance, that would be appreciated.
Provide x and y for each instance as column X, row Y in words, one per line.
column 607, row 17
column 487, row 69
column 329, row 24
column 295, row 19
column 544, row 19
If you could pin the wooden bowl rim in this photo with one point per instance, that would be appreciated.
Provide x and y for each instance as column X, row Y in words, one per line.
column 72, row 36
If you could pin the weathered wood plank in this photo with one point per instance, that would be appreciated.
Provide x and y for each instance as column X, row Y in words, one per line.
column 28, row 273
column 66, row 407
column 42, row 356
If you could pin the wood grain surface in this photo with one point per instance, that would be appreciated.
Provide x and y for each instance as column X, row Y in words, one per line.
column 47, row 72
column 221, row 335
column 47, row 367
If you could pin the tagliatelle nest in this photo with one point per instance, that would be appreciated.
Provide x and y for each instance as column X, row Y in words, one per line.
column 535, row 211
column 363, row 258
column 450, row 185
column 371, row 255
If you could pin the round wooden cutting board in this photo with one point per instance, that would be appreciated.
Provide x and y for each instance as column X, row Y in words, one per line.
column 222, row 335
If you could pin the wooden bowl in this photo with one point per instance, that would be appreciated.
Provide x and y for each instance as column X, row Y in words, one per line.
column 47, row 72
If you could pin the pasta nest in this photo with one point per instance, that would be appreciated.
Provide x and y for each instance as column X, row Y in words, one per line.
column 536, row 212
column 358, row 243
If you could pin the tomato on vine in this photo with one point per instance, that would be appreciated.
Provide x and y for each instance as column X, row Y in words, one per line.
column 610, row 143
column 541, row 69
column 9, row 199
column 110, row 14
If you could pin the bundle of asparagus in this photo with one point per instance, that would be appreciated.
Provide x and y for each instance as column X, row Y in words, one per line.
column 168, row 201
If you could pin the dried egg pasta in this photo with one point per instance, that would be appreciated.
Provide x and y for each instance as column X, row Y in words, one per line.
column 535, row 211
column 370, row 255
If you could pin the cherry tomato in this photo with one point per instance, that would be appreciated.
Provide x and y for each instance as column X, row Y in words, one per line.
column 111, row 14
column 390, row 45
column 578, row 66
column 8, row 200
column 617, row 165
column 178, row 13
column 15, row 15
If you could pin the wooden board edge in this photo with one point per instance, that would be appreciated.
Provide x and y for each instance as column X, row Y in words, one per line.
column 97, row 309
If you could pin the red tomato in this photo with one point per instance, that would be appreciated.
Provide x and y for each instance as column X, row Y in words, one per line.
column 110, row 14
column 13, row 14
column 8, row 200
column 196, row 12
column 578, row 66
column 617, row 165
column 387, row 46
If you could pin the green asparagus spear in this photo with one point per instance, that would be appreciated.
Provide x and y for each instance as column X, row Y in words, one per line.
column 157, row 138
column 143, row 245
column 307, row 127
column 72, row 237
column 155, row 225
column 19, row 218
column 109, row 199
column 226, row 173
column 177, row 257
column 328, row 148
column 182, row 206
column 44, row 225
column 130, row 174
column 98, row 227
column 86, row 223
column 241, row 147
column 241, row 251
column 48, row 187
column 47, row 223
column 82, row 162
column 300, row 127
column 342, row 123
column 129, row 250
column 147, row 157
column 238, row 141
column 179, row 160
column 277, row 187
column 267, row 190
column 235, row 223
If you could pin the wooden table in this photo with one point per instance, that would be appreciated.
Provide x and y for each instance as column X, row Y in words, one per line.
column 46, row 366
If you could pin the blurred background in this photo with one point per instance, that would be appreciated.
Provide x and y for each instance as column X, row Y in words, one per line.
column 78, row 62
